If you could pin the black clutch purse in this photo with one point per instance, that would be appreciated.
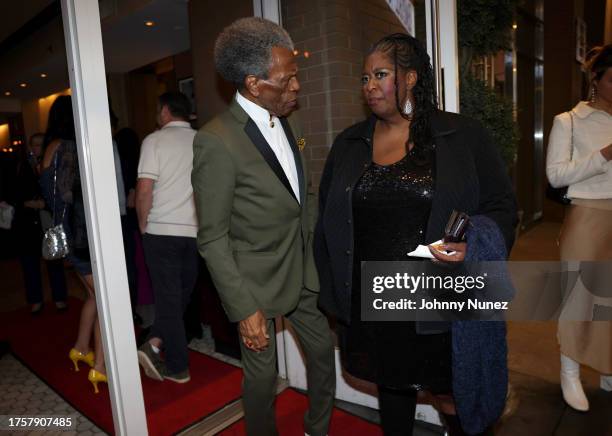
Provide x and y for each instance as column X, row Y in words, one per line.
column 456, row 227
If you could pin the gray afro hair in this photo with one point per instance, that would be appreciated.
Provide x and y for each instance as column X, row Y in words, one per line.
column 245, row 48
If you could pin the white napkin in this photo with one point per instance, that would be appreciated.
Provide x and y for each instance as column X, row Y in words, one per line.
column 423, row 251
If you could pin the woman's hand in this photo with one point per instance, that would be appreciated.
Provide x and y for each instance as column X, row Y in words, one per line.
column 459, row 248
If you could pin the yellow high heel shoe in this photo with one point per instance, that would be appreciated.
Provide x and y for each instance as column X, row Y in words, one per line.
column 75, row 355
column 95, row 377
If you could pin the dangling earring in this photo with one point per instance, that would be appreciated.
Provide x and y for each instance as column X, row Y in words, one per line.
column 408, row 107
column 593, row 94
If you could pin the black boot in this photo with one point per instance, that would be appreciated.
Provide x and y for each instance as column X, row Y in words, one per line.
column 453, row 426
column 397, row 409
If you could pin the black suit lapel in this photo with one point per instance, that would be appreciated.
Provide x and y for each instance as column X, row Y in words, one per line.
column 296, row 156
column 262, row 145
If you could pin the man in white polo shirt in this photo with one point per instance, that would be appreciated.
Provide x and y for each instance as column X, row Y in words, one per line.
column 167, row 220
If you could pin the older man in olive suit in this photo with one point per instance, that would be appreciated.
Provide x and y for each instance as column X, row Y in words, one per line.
column 256, row 220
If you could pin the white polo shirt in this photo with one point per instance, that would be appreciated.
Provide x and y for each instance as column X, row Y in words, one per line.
column 166, row 156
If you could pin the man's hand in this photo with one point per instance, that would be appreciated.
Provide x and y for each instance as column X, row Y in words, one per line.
column 253, row 332
column 459, row 248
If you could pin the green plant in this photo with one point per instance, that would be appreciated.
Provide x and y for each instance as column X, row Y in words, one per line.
column 484, row 28
column 494, row 111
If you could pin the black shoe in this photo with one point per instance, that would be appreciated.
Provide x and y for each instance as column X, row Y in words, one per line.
column 151, row 362
column 179, row 377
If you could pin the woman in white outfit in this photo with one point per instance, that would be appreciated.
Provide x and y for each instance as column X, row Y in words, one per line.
column 579, row 157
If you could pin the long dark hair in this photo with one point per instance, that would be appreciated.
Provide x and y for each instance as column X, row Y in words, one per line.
column 408, row 54
column 61, row 121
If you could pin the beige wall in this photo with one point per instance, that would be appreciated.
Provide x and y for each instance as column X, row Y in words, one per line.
column 36, row 112
column 4, row 136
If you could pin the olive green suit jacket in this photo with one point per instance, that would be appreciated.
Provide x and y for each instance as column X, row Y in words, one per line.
column 253, row 233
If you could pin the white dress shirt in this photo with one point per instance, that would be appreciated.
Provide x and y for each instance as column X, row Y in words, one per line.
column 276, row 138
column 580, row 165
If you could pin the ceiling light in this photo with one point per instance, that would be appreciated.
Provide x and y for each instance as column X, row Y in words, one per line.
column 7, row 93
column 149, row 23
column 515, row 26
column 43, row 75
column 23, row 85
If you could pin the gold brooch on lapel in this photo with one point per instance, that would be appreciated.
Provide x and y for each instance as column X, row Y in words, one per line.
column 301, row 143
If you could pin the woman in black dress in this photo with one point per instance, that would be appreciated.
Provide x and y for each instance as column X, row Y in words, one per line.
column 390, row 183
column 28, row 227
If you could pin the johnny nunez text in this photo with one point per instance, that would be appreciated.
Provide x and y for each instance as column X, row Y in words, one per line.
column 425, row 304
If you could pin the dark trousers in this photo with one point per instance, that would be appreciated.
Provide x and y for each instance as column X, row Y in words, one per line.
column 172, row 262
column 397, row 409
column 30, row 263
column 260, row 374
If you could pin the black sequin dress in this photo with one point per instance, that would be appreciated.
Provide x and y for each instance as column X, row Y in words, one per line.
column 391, row 207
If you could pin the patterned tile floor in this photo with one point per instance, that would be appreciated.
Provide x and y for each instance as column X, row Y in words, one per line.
column 23, row 393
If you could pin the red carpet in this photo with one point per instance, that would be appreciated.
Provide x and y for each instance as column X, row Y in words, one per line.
column 43, row 342
column 290, row 408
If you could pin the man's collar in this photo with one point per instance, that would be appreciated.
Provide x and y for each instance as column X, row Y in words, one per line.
column 177, row 124
column 253, row 110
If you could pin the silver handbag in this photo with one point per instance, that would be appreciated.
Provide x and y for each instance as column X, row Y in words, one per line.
column 55, row 241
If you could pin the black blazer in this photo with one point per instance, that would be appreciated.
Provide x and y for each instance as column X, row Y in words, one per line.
column 470, row 177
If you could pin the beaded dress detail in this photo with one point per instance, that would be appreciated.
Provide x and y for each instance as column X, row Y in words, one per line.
column 391, row 207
